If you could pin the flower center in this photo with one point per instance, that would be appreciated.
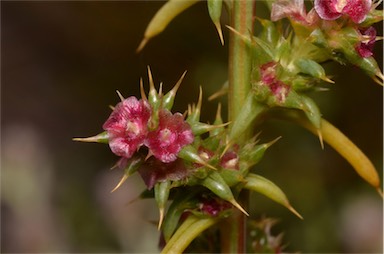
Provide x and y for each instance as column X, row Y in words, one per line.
column 340, row 4
column 166, row 137
column 132, row 127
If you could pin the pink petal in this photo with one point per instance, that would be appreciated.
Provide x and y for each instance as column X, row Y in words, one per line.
column 357, row 10
column 327, row 9
column 365, row 48
column 287, row 8
column 172, row 134
column 127, row 126
column 123, row 147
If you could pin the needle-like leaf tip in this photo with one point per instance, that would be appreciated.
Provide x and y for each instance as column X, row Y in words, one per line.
column 238, row 206
column 123, row 179
column 142, row 45
column 380, row 192
column 290, row 208
column 161, row 210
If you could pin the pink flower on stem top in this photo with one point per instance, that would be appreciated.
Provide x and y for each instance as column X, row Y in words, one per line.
column 172, row 134
column 127, row 126
column 357, row 10
column 365, row 47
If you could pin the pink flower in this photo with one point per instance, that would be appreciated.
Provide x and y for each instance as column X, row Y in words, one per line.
column 278, row 88
column 127, row 126
column 357, row 10
column 293, row 9
column 212, row 206
column 172, row 134
column 230, row 160
column 365, row 47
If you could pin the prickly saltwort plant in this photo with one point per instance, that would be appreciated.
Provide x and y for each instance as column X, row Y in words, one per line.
column 203, row 169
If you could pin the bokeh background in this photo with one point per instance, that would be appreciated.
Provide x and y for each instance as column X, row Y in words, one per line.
column 61, row 63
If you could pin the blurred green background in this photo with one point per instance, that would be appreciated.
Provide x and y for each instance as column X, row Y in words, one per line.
column 61, row 64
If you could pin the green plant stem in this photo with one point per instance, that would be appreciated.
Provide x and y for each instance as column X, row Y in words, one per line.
column 233, row 229
column 239, row 62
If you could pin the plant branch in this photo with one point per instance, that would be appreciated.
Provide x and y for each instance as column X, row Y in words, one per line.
column 233, row 229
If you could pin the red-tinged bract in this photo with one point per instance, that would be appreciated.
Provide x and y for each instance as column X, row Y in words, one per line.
column 127, row 126
column 172, row 134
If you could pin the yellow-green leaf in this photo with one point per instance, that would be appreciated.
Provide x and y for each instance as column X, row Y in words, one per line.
column 163, row 17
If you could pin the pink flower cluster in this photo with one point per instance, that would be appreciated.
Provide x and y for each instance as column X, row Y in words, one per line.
column 127, row 129
column 354, row 10
column 268, row 76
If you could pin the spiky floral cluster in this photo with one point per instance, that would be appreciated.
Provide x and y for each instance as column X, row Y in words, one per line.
column 341, row 30
column 179, row 160
column 287, row 65
column 201, row 167
column 134, row 123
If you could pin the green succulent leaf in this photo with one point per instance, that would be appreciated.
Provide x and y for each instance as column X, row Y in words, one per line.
column 214, row 9
column 311, row 68
column 163, row 17
column 182, row 202
column 343, row 145
column 189, row 230
column 162, row 190
column 219, row 187
column 231, row 176
column 132, row 166
column 264, row 186
column 269, row 32
column 99, row 138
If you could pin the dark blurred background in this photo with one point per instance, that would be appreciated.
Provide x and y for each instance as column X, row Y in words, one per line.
column 61, row 64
